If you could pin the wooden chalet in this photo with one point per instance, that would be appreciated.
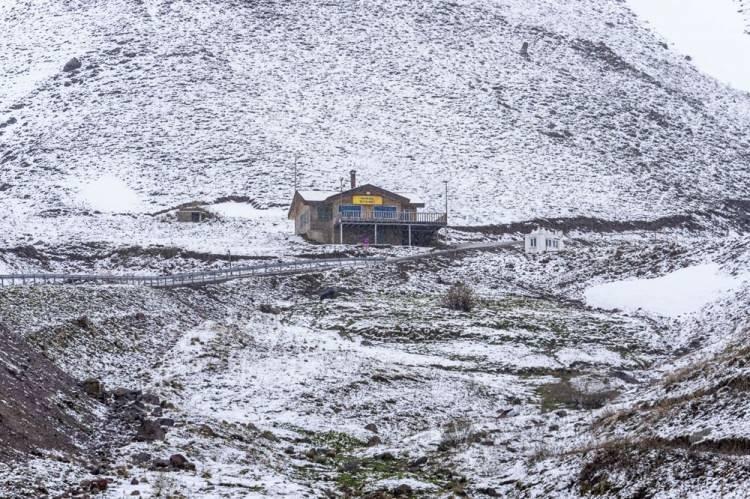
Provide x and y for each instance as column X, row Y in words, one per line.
column 364, row 214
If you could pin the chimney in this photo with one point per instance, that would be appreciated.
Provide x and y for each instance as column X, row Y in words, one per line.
column 353, row 175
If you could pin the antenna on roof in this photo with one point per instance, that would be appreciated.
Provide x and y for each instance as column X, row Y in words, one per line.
column 296, row 157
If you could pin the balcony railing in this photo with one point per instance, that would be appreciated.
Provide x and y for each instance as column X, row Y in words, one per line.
column 402, row 217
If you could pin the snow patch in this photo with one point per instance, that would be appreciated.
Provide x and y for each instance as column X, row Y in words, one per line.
column 109, row 194
column 247, row 211
column 392, row 483
column 681, row 292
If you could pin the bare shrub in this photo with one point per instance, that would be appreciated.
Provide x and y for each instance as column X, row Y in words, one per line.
column 455, row 433
column 460, row 297
column 564, row 394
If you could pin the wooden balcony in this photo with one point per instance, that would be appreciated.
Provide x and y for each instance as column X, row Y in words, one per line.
column 397, row 218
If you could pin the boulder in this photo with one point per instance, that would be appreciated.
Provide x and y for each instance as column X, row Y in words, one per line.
column 166, row 422
column 98, row 485
column 269, row 309
column 150, row 398
column 125, row 395
column 72, row 65
column 161, row 465
column 207, row 431
column 93, row 388
column 525, row 50
column 403, row 490
column 84, row 323
column 141, row 457
column 180, row 462
column 350, row 466
column 371, row 427
column 328, row 294
column 149, row 431
column 374, row 441
column 130, row 412
column 268, row 435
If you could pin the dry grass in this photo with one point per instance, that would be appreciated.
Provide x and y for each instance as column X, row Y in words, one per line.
column 460, row 297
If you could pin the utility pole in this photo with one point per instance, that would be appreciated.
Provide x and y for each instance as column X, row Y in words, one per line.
column 341, row 212
column 296, row 157
column 446, row 201
column 229, row 257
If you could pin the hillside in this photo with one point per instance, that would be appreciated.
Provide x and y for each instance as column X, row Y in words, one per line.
column 197, row 100
column 616, row 368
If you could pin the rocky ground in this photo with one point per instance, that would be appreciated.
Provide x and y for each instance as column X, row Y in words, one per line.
column 260, row 388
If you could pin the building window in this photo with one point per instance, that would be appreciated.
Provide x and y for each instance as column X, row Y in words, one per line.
column 533, row 242
column 384, row 212
column 350, row 211
column 325, row 213
column 195, row 216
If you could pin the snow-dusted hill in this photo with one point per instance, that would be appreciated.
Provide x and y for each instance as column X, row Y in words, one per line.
column 197, row 100
column 270, row 391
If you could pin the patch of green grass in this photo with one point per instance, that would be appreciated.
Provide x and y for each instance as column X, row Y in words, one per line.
column 340, row 442
column 374, row 469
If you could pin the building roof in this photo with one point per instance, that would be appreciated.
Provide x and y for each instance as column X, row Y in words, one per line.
column 413, row 197
column 320, row 196
column 323, row 196
column 193, row 207
column 317, row 196
column 545, row 233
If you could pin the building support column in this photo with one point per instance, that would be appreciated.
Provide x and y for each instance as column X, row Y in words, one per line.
column 376, row 234
column 341, row 232
column 409, row 236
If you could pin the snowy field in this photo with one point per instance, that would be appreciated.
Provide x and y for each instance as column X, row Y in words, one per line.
column 681, row 292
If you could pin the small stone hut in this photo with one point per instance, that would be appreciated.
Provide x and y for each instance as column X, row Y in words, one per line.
column 192, row 214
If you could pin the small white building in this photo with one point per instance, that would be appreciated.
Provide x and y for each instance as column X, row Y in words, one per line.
column 544, row 241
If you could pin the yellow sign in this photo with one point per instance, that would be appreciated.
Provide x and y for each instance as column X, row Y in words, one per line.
column 367, row 200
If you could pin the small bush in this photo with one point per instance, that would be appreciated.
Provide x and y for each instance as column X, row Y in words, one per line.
column 460, row 297
column 455, row 433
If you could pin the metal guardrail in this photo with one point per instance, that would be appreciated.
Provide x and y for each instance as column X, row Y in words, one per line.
column 236, row 272
column 190, row 278
column 402, row 217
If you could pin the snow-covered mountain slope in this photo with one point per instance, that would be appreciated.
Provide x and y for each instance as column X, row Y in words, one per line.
column 744, row 10
column 196, row 100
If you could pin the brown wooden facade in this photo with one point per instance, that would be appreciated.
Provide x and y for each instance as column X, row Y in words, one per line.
column 363, row 215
